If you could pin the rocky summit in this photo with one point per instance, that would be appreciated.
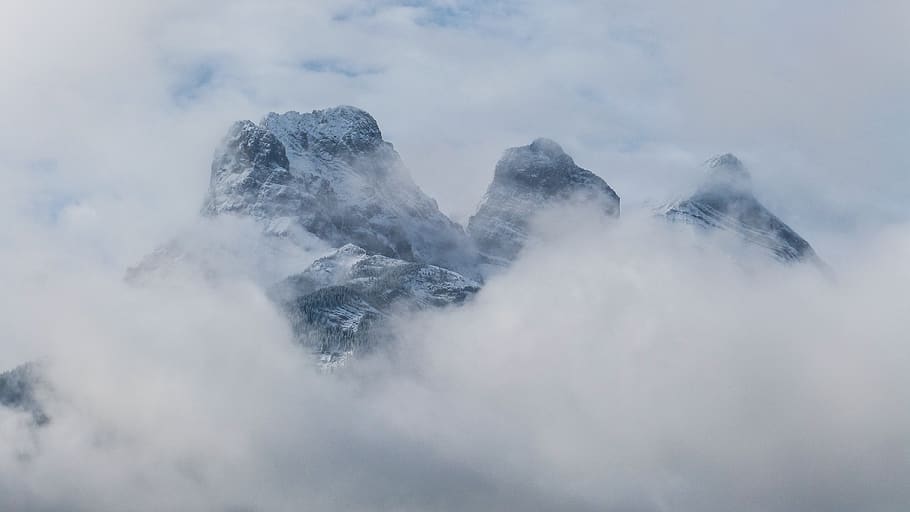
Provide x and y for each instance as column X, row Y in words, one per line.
column 330, row 173
column 331, row 176
column 526, row 180
column 724, row 201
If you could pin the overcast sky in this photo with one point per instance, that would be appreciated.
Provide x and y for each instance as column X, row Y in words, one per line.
column 627, row 371
column 113, row 109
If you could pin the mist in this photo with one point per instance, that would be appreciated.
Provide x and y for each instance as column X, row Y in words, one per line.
column 619, row 364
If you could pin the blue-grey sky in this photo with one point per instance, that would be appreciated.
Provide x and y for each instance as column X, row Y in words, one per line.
column 116, row 108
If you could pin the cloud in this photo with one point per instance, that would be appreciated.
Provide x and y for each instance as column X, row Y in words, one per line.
column 638, row 371
column 637, row 92
column 622, row 366
column 335, row 66
column 617, row 366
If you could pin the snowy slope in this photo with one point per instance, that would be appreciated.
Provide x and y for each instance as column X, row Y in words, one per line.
column 331, row 173
column 725, row 201
column 305, row 182
column 339, row 303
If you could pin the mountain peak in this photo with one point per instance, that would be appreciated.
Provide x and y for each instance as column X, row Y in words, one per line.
column 342, row 128
column 542, row 159
column 727, row 172
column 526, row 180
column 542, row 167
column 330, row 173
column 725, row 202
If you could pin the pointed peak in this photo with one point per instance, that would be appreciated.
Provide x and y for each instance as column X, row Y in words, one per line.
column 540, row 155
column 727, row 172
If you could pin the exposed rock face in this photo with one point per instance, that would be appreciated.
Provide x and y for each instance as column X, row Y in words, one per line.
column 339, row 303
column 331, row 173
column 328, row 179
column 528, row 179
column 251, row 174
column 18, row 390
column 724, row 201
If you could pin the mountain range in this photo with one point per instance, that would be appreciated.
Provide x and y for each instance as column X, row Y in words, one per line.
column 328, row 175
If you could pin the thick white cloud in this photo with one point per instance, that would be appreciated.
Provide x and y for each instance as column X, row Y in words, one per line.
column 616, row 366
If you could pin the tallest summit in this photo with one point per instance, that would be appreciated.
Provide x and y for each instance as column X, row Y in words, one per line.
column 330, row 173
column 333, row 130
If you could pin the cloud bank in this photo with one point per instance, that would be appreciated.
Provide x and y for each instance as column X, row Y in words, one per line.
column 626, row 366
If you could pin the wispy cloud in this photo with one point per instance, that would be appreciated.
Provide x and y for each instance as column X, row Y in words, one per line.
column 339, row 67
column 193, row 82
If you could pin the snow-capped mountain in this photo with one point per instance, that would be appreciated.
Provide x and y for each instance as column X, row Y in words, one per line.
column 302, row 183
column 724, row 201
column 526, row 180
column 331, row 173
column 338, row 304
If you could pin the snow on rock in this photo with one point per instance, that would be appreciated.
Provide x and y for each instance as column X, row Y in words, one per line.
column 331, row 173
column 724, row 201
column 338, row 304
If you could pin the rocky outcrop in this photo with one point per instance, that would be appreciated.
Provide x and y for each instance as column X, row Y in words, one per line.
column 330, row 173
column 339, row 304
column 526, row 180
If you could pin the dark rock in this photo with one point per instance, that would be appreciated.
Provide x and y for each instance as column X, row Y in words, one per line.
column 526, row 180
